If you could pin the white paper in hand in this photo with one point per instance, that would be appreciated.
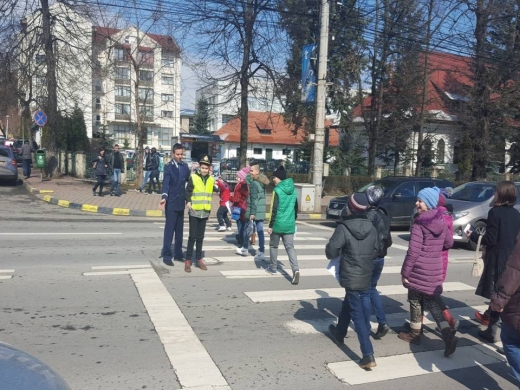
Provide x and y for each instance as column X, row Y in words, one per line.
column 333, row 267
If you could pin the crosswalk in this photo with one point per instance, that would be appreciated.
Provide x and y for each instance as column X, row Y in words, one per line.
column 317, row 284
column 4, row 274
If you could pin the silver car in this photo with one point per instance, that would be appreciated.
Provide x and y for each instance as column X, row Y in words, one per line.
column 8, row 169
column 471, row 203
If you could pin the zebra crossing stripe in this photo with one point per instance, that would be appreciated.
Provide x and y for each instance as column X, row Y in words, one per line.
column 415, row 364
column 304, row 272
column 232, row 239
column 6, row 271
column 298, row 295
column 249, row 258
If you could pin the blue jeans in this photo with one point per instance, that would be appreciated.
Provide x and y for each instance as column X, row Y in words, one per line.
column 145, row 179
column 375, row 299
column 116, row 181
column 240, row 235
column 511, row 342
column 356, row 307
column 26, row 167
column 259, row 225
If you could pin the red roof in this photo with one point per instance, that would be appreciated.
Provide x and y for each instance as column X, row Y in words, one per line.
column 449, row 80
column 268, row 128
column 165, row 41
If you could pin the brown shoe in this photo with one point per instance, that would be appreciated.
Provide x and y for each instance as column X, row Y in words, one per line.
column 412, row 337
column 201, row 265
column 187, row 266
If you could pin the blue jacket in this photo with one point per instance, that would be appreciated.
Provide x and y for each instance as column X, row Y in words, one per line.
column 174, row 185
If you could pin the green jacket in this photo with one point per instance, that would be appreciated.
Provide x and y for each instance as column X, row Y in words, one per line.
column 284, row 208
column 256, row 201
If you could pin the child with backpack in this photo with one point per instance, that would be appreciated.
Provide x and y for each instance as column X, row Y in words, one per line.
column 239, row 204
column 225, row 205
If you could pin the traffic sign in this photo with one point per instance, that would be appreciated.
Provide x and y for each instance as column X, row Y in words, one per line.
column 40, row 118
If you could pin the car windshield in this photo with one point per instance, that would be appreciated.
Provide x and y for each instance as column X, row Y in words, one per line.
column 386, row 185
column 474, row 192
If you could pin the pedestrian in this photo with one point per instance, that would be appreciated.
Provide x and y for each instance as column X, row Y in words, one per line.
column 503, row 226
column 225, row 205
column 116, row 163
column 176, row 174
column 147, row 169
column 154, row 175
column 282, row 223
column 422, row 270
column 382, row 224
column 506, row 301
column 198, row 200
column 239, row 200
column 25, row 152
column 355, row 240
column 100, row 166
column 256, row 210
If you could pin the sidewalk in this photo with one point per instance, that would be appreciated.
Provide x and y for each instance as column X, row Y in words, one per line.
column 66, row 191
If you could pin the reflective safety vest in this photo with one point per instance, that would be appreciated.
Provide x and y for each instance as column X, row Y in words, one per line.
column 201, row 196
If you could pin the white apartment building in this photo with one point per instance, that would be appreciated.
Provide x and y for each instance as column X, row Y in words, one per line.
column 103, row 69
column 224, row 100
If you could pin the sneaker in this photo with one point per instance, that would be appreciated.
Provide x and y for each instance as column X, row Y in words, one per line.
column 241, row 251
column 296, row 278
column 340, row 341
column 221, row 229
column 138, row 190
column 260, row 256
column 270, row 271
column 229, row 229
column 382, row 330
column 146, row 193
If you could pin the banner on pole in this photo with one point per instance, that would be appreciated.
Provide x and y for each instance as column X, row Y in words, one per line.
column 309, row 79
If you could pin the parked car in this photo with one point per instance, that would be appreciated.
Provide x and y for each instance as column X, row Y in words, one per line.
column 8, row 168
column 400, row 194
column 471, row 203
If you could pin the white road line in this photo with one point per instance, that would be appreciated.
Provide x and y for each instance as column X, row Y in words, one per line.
column 316, row 226
column 249, row 258
column 414, row 364
column 122, row 266
column 396, row 246
column 5, row 271
column 232, row 239
column 60, row 234
column 305, row 272
column 107, row 273
column 5, row 277
column 394, row 320
column 191, row 362
column 233, row 248
column 298, row 295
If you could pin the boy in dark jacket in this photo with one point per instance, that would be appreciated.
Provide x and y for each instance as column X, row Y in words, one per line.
column 355, row 239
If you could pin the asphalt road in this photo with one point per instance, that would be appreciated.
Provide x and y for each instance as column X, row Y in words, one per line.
column 87, row 295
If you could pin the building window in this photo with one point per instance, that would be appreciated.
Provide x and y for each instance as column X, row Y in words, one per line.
column 98, row 120
column 167, row 79
column 286, row 152
column 226, row 118
column 39, row 58
column 167, row 114
column 122, row 109
column 257, row 151
column 165, row 136
column 441, row 151
column 146, row 111
column 122, row 73
column 167, row 97
column 149, row 135
column 99, row 87
column 145, row 75
column 121, row 54
column 122, row 91
column 146, row 95
column 168, row 59
column 121, row 133
column 39, row 80
column 98, row 103
column 145, row 57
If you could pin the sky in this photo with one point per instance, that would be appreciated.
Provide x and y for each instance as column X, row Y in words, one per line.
column 189, row 85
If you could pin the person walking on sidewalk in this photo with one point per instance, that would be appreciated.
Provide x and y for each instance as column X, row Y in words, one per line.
column 355, row 240
column 422, row 270
column 147, row 168
column 198, row 200
column 382, row 224
column 503, row 226
column 239, row 199
column 154, row 176
column 116, row 163
column 282, row 224
column 25, row 152
column 100, row 166
column 225, row 205
column 176, row 174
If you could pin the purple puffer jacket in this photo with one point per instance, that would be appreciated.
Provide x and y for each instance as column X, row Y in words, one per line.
column 423, row 265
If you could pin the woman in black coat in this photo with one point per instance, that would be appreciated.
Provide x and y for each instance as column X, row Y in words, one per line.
column 503, row 226
column 100, row 165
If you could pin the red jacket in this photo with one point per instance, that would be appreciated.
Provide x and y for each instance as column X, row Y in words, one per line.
column 240, row 195
column 224, row 192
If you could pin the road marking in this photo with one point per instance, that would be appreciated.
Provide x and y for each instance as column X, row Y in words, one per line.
column 63, row 203
column 233, row 248
column 396, row 246
column 260, row 273
column 137, row 266
column 192, row 364
column 59, row 234
column 267, row 239
column 298, row 295
column 154, row 213
column 6, row 271
column 118, row 211
column 394, row 320
column 316, row 226
column 89, row 207
column 124, row 272
column 5, row 277
column 415, row 364
column 249, row 259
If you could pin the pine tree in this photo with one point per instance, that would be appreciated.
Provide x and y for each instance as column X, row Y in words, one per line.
column 201, row 119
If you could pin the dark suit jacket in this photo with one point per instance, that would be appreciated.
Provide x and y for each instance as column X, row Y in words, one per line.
column 174, row 185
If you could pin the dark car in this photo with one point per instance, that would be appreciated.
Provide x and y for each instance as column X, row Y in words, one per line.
column 400, row 194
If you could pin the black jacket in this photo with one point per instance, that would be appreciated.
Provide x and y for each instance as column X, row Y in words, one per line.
column 382, row 224
column 111, row 161
column 503, row 225
column 356, row 240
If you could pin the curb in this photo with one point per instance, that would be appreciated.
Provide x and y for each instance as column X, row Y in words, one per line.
column 33, row 190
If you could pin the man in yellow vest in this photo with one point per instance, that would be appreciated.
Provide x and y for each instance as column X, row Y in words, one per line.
column 198, row 200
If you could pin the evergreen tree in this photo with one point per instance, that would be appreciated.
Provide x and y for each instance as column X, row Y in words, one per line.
column 201, row 119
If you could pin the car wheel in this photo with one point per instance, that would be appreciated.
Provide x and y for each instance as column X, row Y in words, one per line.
column 480, row 228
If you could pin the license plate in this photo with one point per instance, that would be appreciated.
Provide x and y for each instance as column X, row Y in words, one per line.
column 334, row 212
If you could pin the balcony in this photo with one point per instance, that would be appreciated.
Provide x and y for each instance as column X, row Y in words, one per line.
column 122, row 81
column 122, row 98
column 122, row 117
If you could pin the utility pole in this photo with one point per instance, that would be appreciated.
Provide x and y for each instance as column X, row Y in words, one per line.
column 319, row 135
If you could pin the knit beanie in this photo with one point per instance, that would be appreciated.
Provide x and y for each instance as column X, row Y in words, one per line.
column 358, row 202
column 430, row 197
column 243, row 173
column 374, row 195
column 280, row 173
column 442, row 199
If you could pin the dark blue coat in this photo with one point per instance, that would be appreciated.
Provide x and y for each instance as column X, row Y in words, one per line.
column 174, row 185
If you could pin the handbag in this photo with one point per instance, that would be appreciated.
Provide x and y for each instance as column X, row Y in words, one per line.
column 478, row 263
column 235, row 215
column 94, row 165
column 253, row 235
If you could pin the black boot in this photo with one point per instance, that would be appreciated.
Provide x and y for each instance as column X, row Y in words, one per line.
column 367, row 362
column 450, row 341
column 490, row 333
